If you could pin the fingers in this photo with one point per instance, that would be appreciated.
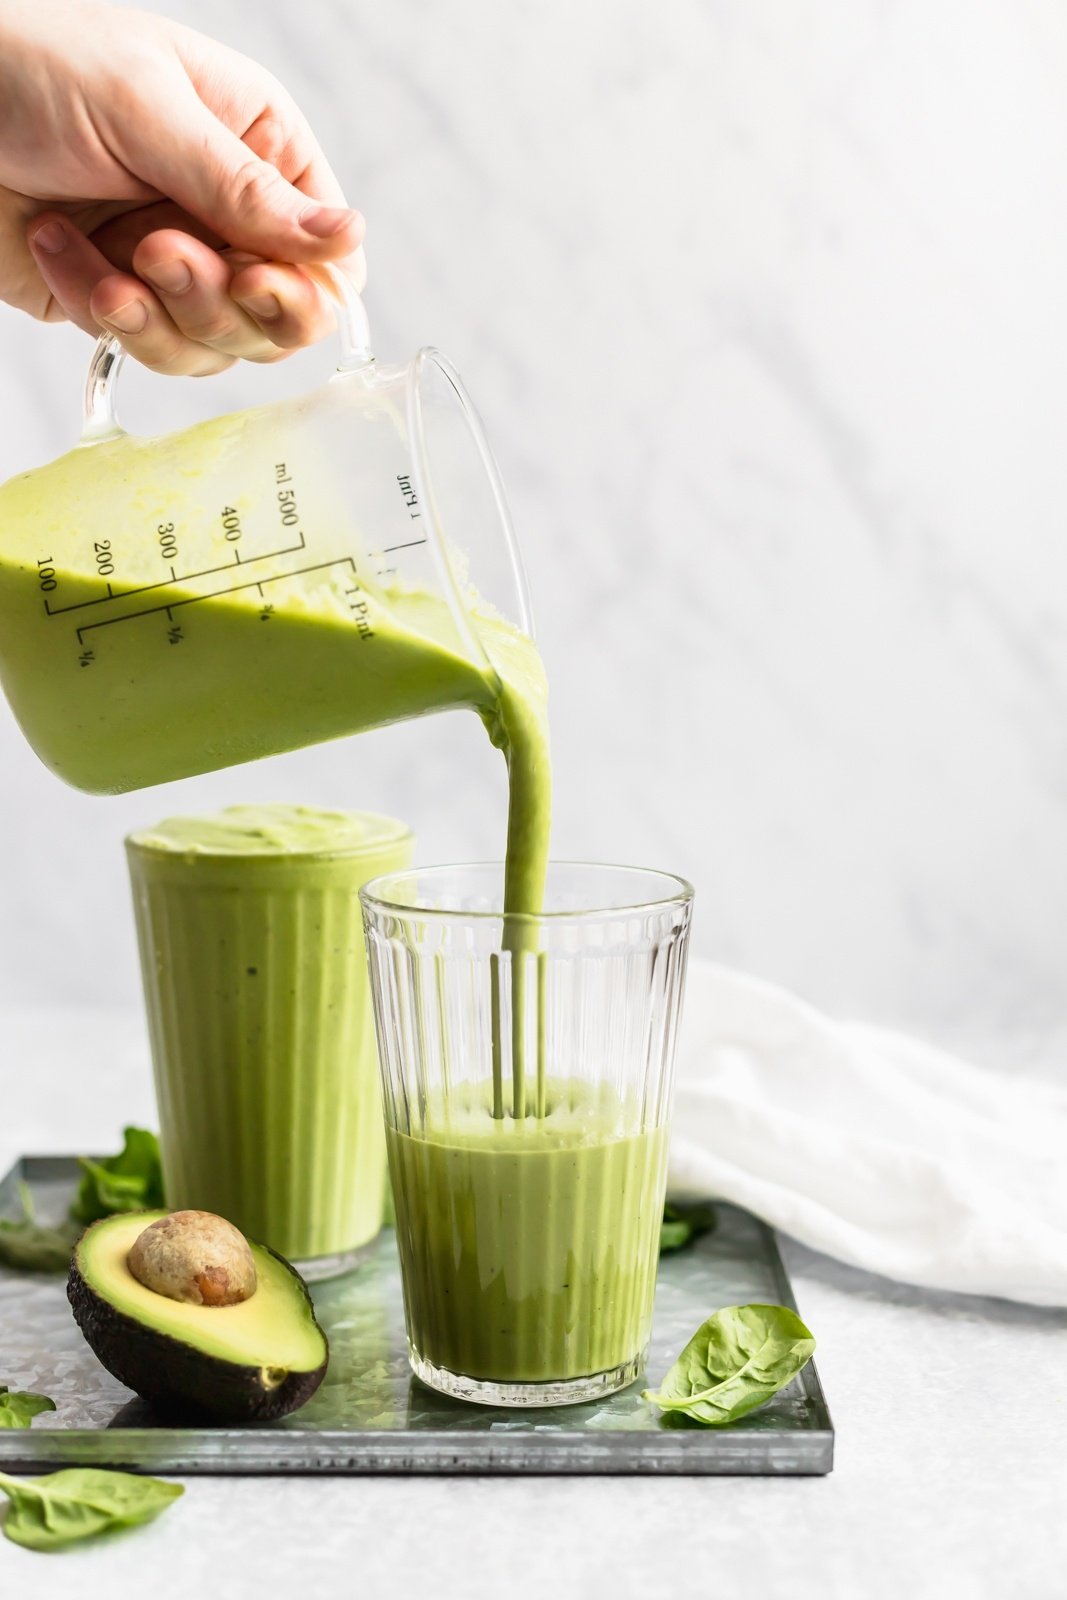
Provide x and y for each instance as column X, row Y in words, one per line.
column 69, row 264
column 83, row 281
column 124, row 306
column 183, row 309
column 285, row 303
column 214, row 175
column 118, row 237
column 281, row 135
column 194, row 286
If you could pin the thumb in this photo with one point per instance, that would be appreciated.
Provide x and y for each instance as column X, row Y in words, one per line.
column 194, row 159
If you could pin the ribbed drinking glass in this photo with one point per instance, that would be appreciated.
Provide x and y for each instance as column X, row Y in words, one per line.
column 527, row 1069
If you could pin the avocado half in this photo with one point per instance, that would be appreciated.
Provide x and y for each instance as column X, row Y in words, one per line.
column 243, row 1363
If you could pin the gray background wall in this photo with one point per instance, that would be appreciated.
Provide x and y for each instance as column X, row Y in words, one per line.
column 763, row 305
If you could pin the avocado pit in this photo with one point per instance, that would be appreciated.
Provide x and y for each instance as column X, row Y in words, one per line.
column 196, row 1258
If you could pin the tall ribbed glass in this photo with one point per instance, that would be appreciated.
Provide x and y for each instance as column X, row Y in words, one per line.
column 527, row 1071
column 260, row 1024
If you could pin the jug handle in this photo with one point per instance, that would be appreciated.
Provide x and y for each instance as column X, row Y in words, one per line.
column 100, row 419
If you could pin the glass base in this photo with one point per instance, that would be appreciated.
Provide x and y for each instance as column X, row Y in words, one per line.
column 316, row 1269
column 554, row 1392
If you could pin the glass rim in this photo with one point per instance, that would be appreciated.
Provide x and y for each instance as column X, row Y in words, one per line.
column 372, row 896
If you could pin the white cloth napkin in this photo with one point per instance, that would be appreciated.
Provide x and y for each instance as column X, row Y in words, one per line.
column 873, row 1147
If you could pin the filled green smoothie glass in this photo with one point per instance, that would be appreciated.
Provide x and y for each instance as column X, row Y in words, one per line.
column 527, row 1070
column 260, row 1021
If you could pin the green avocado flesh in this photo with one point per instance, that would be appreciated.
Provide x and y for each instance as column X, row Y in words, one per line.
column 253, row 1361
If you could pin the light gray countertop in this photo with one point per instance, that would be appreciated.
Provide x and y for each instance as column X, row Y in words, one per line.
column 951, row 1472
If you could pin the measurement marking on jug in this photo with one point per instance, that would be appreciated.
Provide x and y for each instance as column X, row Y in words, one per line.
column 168, row 543
column 46, row 578
column 409, row 544
column 364, row 628
column 359, row 608
column 411, row 499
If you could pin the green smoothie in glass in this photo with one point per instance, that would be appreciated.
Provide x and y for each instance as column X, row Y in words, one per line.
column 260, row 1020
column 529, row 1246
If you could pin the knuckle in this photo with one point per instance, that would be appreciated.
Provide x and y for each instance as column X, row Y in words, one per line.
column 124, row 94
column 251, row 185
column 170, row 360
column 212, row 326
column 157, row 246
column 268, row 138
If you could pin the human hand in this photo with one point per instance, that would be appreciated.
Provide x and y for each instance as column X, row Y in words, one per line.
column 160, row 186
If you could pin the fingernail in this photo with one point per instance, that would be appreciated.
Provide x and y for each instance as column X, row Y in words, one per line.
column 322, row 222
column 129, row 318
column 264, row 307
column 51, row 236
column 173, row 277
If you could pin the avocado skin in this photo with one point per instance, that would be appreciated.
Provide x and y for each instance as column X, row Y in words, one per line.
column 174, row 1374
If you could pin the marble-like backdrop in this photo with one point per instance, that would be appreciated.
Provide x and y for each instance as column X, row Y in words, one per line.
column 764, row 306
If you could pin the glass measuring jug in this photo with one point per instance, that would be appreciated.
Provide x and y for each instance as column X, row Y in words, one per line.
column 267, row 580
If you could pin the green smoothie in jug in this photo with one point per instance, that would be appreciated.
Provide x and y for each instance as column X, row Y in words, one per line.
column 260, row 1018
column 170, row 606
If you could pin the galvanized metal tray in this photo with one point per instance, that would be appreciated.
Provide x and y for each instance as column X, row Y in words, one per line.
column 371, row 1415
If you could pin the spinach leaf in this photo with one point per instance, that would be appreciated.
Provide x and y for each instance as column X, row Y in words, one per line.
column 29, row 1246
column 19, row 1407
column 738, row 1359
column 79, row 1503
column 130, row 1181
column 682, row 1224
